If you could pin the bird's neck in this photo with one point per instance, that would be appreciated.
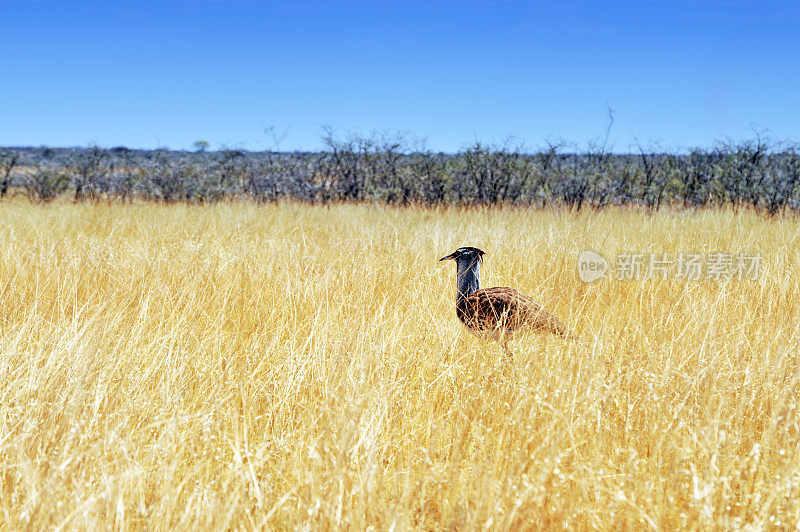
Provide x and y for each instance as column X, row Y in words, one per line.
column 467, row 278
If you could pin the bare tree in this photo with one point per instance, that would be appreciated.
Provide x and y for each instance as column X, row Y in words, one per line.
column 90, row 168
column 46, row 183
column 430, row 172
column 8, row 160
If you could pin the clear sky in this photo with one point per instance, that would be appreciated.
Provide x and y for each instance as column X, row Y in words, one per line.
column 146, row 74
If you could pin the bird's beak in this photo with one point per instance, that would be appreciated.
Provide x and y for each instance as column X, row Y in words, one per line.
column 449, row 257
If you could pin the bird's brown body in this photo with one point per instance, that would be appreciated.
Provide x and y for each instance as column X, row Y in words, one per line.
column 498, row 313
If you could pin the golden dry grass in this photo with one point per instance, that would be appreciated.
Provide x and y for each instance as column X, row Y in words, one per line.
column 280, row 366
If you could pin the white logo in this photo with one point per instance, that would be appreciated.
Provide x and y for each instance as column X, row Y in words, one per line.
column 591, row 266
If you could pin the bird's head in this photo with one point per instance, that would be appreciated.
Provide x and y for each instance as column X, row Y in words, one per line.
column 466, row 254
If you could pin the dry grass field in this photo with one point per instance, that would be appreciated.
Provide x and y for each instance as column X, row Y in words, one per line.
column 289, row 366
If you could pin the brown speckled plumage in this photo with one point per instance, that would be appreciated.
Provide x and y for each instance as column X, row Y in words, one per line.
column 488, row 310
column 498, row 313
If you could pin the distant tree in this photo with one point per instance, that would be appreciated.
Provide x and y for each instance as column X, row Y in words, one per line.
column 46, row 183
column 492, row 174
column 277, row 138
column 8, row 160
column 201, row 145
column 90, row 168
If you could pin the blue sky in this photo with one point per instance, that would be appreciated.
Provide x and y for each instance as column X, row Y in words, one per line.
column 147, row 74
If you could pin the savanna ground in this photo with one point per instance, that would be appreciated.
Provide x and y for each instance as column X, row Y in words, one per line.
column 289, row 366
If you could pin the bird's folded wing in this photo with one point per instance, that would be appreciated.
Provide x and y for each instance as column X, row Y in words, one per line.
column 512, row 310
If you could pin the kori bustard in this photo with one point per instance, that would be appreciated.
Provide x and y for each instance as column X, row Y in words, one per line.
column 499, row 313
